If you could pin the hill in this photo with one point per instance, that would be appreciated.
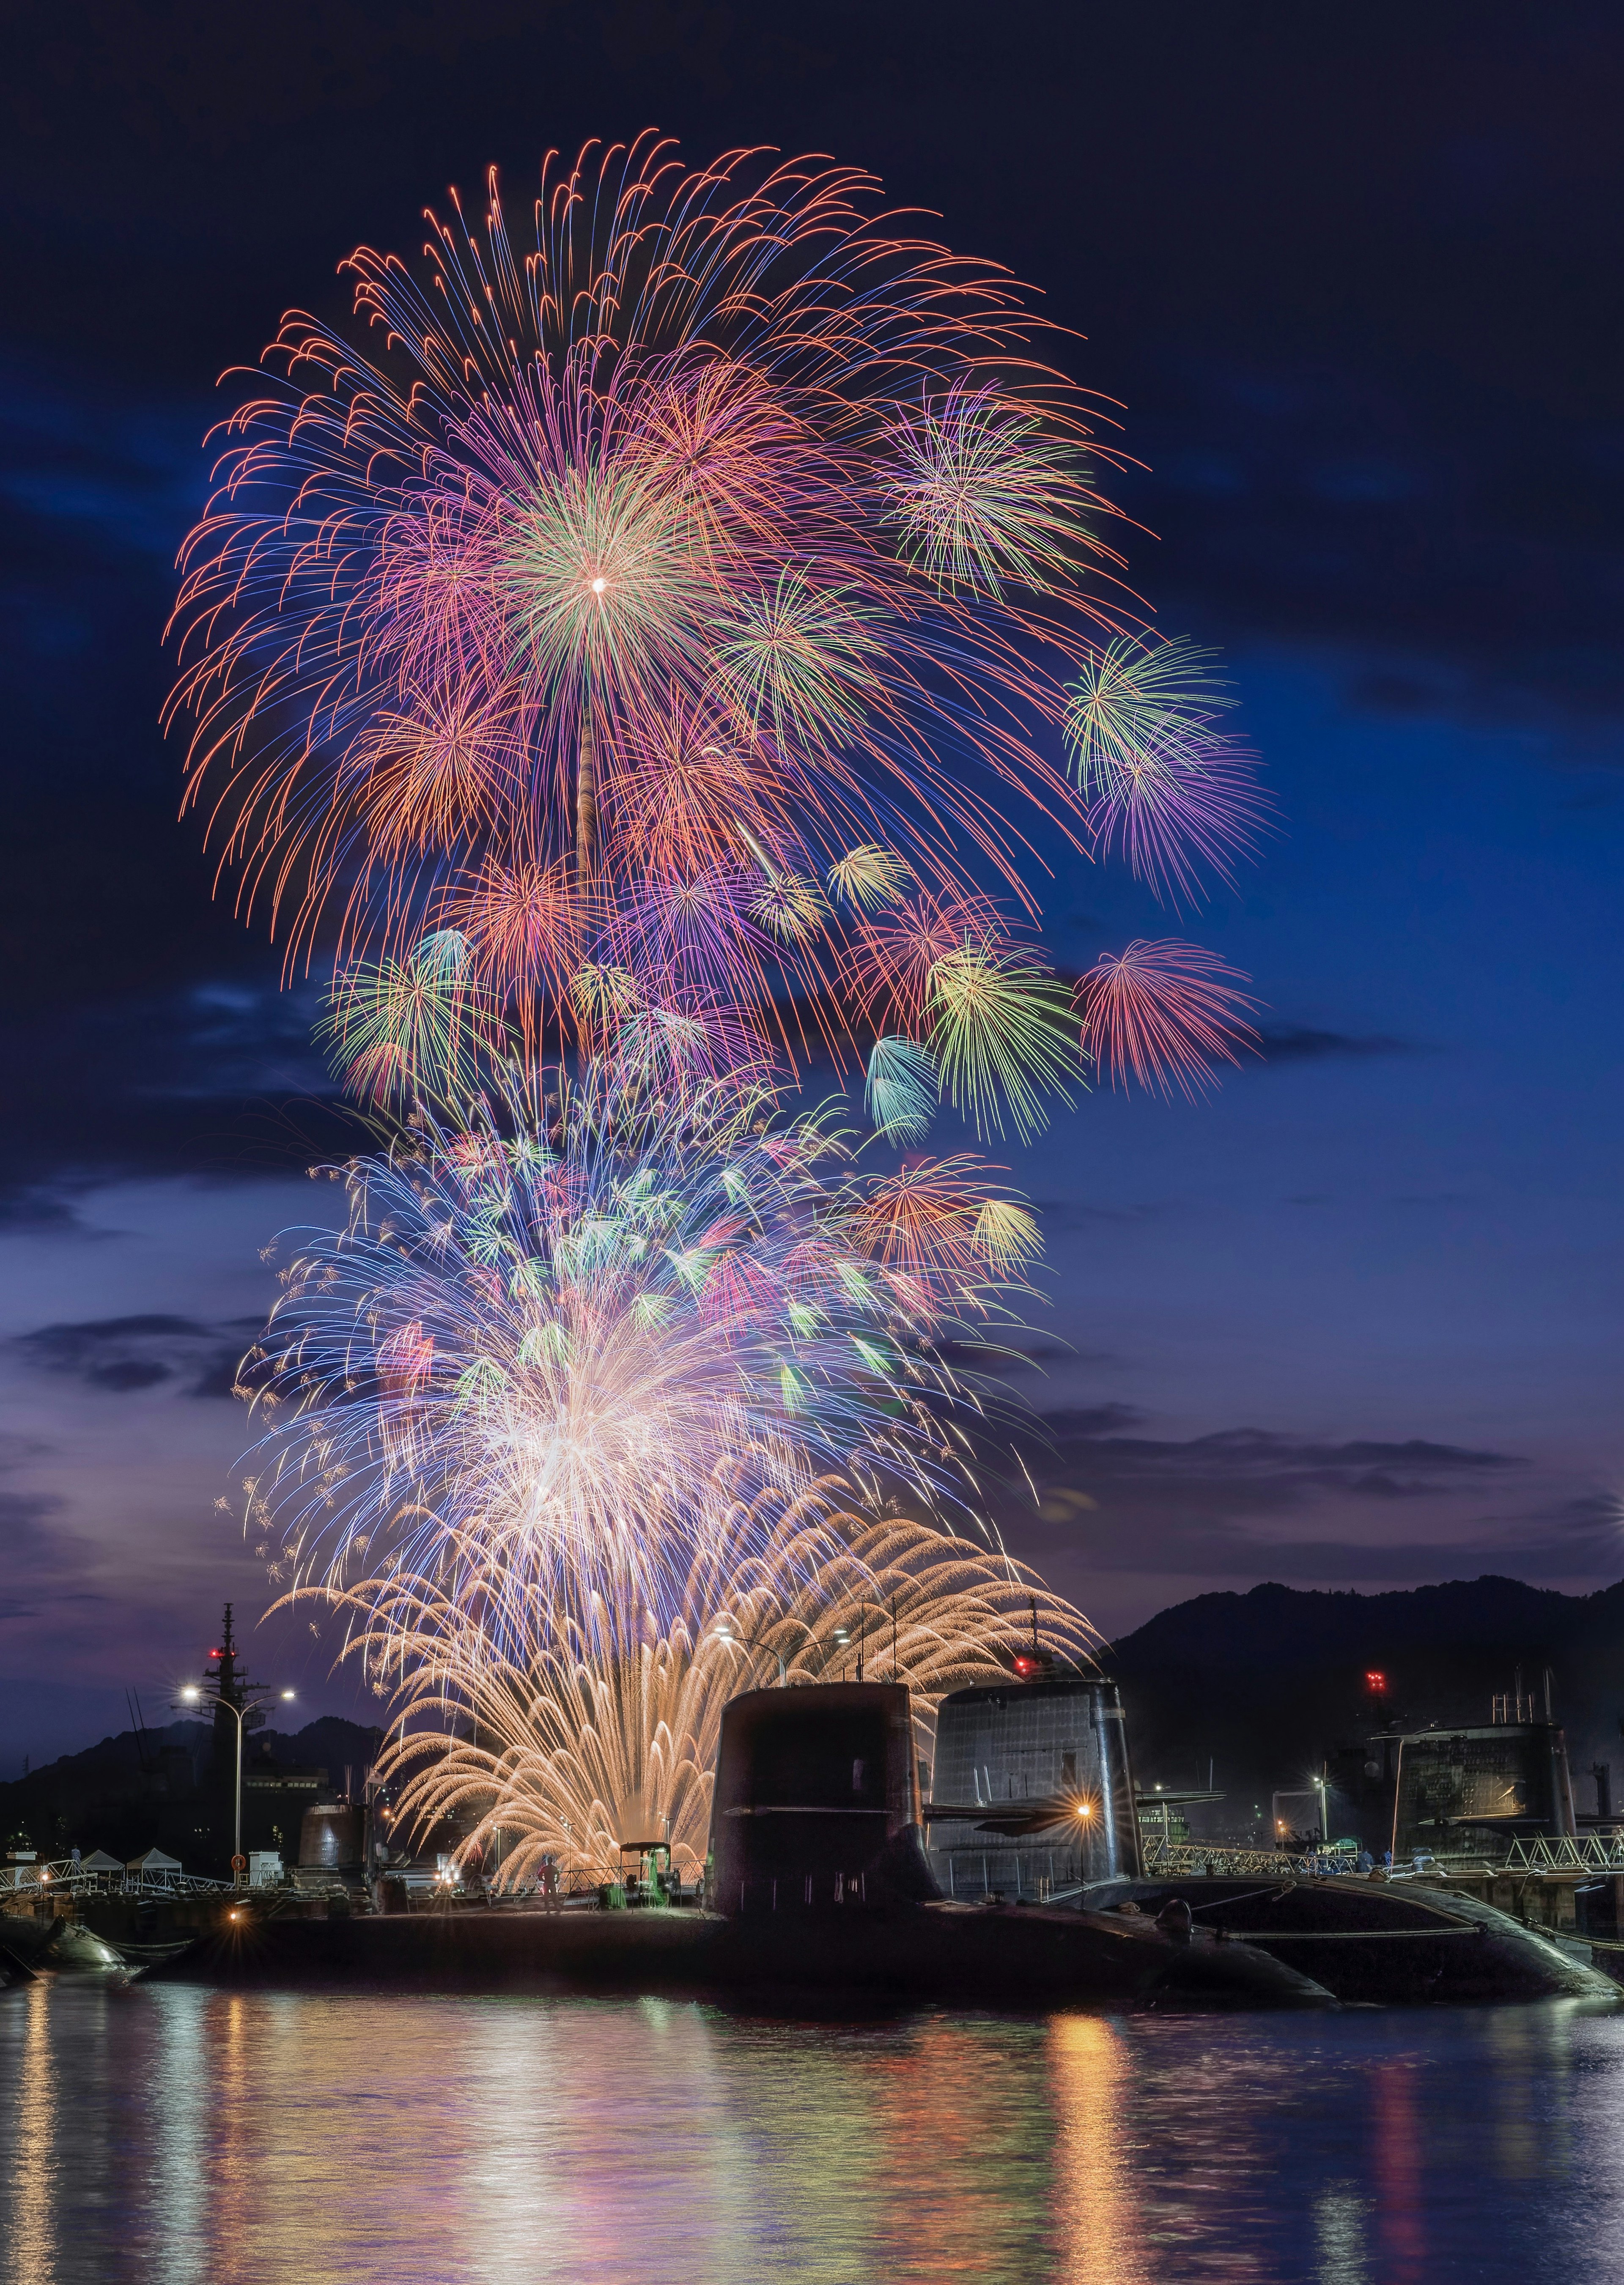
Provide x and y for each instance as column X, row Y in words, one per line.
column 1263, row 1684
column 164, row 1787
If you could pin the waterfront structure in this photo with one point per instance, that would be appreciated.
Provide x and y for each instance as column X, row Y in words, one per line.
column 1468, row 1786
column 1032, row 1789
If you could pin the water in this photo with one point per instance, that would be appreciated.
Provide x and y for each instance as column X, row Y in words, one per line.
column 171, row 2134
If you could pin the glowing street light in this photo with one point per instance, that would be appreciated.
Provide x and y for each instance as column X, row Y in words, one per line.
column 725, row 1633
column 242, row 1700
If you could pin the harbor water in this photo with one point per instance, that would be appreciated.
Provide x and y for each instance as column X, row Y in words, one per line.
column 179, row 2135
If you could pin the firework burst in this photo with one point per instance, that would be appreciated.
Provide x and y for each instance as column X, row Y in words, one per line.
column 580, row 1337
column 1166, row 789
column 620, row 592
column 579, row 1738
column 1160, row 1015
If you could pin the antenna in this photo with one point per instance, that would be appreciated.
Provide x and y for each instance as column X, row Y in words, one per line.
column 134, row 1705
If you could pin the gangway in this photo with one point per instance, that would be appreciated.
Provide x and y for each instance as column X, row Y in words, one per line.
column 1567, row 1852
column 21, row 1884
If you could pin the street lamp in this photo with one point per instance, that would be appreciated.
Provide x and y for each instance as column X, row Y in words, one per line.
column 195, row 1693
column 725, row 1633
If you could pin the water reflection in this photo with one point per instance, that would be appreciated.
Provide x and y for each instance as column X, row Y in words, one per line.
column 32, row 2234
column 1341, row 2227
column 179, row 2124
column 1097, row 2219
column 175, row 2135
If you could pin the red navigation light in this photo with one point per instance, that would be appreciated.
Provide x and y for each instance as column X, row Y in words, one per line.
column 1377, row 1681
column 1023, row 1665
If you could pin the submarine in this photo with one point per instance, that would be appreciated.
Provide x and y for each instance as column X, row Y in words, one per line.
column 1034, row 1788
column 820, row 1886
column 821, row 1880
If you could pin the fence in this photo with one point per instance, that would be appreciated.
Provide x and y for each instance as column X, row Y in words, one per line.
column 1589, row 1852
column 29, row 1883
column 1193, row 1857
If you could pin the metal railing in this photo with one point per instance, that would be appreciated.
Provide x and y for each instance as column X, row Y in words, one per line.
column 29, row 1883
column 1589, row 1852
column 1219, row 1857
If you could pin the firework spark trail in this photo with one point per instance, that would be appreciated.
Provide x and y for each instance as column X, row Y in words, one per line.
column 582, row 1737
column 654, row 478
column 585, row 1344
column 1161, row 1015
column 1165, row 788
column 672, row 596
column 394, row 1026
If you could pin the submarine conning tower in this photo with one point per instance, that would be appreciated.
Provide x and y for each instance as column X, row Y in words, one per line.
column 1032, row 1789
column 816, row 1806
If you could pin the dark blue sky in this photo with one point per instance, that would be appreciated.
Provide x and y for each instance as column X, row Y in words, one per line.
column 1355, row 283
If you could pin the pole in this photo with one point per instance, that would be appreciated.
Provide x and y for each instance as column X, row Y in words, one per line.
column 586, row 806
column 1398, row 1777
column 237, row 1819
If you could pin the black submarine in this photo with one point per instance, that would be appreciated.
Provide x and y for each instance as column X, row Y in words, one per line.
column 821, row 1880
column 820, row 1885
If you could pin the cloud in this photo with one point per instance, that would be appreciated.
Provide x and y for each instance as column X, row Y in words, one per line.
column 121, row 1354
column 1301, row 1043
column 219, row 1078
column 1223, row 1505
column 133, row 475
column 1215, row 1553
column 1079, row 1420
column 39, row 1208
column 1006, row 1358
column 44, row 1564
column 1377, row 522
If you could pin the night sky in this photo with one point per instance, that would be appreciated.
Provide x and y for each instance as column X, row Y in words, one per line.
column 1353, row 278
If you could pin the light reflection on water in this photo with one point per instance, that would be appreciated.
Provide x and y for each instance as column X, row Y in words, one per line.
column 180, row 2135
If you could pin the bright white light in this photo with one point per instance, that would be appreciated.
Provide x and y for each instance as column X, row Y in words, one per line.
column 599, row 586
column 190, row 1692
column 287, row 1693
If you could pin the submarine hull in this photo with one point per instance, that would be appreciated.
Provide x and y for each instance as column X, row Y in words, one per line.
column 962, row 1955
column 1374, row 1942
